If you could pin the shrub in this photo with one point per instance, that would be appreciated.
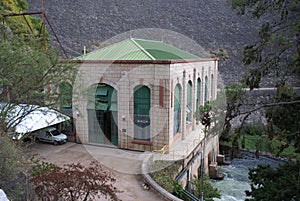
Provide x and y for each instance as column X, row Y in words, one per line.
column 13, row 171
column 74, row 182
column 203, row 184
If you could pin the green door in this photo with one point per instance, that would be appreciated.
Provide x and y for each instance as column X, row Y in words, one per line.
column 102, row 115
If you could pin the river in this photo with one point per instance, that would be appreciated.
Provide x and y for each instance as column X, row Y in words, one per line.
column 236, row 180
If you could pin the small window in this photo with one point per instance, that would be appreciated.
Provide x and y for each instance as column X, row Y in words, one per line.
column 177, row 110
column 188, row 102
column 206, row 90
column 212, row 91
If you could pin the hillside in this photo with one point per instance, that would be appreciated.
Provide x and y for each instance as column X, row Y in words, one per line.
column 212, row 24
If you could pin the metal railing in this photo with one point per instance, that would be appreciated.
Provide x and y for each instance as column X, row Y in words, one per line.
column 191, row 196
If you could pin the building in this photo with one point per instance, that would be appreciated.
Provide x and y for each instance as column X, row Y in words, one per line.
column 141, row 95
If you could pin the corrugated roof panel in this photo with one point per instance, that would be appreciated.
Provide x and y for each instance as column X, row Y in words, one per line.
column 135, row 55
column 163, row 51
column 138, row 49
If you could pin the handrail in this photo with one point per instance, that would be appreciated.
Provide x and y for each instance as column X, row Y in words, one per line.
column 191, row 196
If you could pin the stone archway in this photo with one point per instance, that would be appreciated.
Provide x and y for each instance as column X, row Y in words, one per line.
column 102, row 111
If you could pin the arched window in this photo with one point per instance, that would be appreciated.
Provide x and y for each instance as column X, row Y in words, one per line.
column 65, row 99
column 65, row 90
column 206, row 89
column 189, row 102
column 198, row 92
column 212, row 87
column 142, row 113
column 177, row 109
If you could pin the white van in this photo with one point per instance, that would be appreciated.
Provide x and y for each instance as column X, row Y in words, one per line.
column 50, row 135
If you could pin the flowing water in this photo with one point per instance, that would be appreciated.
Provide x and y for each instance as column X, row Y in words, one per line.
column 236, row 180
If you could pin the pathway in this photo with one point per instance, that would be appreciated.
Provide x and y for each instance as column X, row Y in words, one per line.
column 126, row 165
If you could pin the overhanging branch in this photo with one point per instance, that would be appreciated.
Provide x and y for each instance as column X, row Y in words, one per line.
column 271, row 105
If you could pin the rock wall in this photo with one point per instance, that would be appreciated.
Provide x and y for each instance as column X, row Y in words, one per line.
column 211, row 23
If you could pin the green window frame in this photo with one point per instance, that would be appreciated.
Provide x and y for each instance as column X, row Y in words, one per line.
column 212, row 85
column 205, row 89
column 142, row 99
column 177, row 109
column 198, row 92
column 189, row 102
column 65, row 90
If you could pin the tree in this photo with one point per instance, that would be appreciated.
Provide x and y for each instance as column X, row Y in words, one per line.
column 284, row 120
column 23, row 26
column 276, row 50
column 203, row 114
column 275, row 53
column 28, row 76
column 235, row 95
column 275, row 184
column 74, row 182
column 14, row 178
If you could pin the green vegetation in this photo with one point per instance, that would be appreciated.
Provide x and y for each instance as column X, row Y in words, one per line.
column 18, row 24
column 73, row 182
column 165, row 175
column 25, row 76
column 275, row 53
column 14, row 179
column 165, row 178
column 284, row 120
column 275, row 184
column 203, row 185
column 28, row 75
column 254, row 137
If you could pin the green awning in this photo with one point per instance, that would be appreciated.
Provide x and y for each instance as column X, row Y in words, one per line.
column 103, row 99
column 101, row 91
column 97, row 106
column 113, row 107
column 101, row 106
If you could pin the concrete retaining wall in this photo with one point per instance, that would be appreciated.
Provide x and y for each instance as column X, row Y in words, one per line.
column 165, row 194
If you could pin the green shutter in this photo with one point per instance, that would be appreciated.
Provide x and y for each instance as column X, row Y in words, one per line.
column 65, row 90
column 177, row 98
column 198, row 88
column 101, row 106
column 188, row 93
column 97, row 106
column 142, row 101
column 101, row 90
column 113, row 107
column 212, row 85
column 105, row 98
column 205, row 89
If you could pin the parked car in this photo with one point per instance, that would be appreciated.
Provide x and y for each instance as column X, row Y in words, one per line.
column 50, row 135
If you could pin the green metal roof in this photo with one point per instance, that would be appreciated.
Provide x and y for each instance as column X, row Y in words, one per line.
column 138, row 49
